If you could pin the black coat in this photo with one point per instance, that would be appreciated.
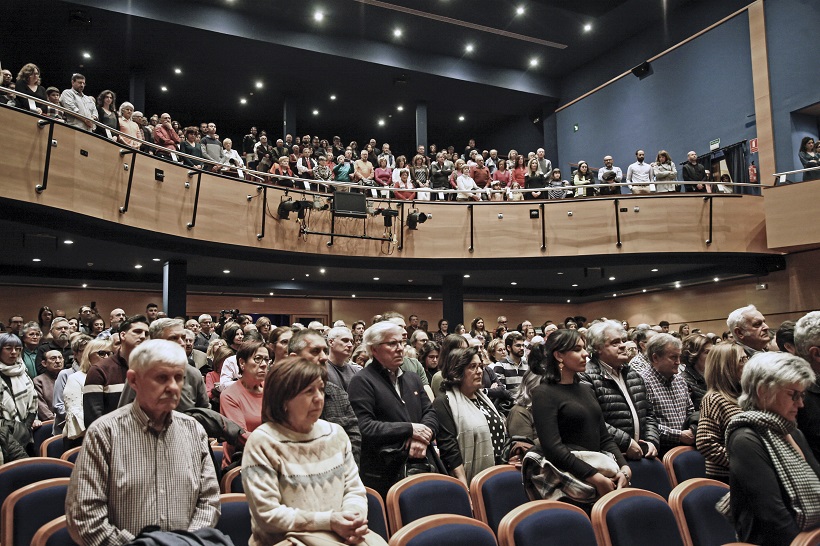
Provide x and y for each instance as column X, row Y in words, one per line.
column 616, row 410
column 385, row 420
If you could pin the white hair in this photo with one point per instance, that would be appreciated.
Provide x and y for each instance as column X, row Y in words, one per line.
column 737, row 318
column 154, row 352
column 772, row 372
column 338, row 331
column 205, row 316
column 376, row 334
column 807, row 334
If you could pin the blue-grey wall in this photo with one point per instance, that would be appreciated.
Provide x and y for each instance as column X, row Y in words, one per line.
column 793, row 43
column 696, row 93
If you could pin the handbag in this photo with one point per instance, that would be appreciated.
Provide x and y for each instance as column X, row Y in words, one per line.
column 602, row 462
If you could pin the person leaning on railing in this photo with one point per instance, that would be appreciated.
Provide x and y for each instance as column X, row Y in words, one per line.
column 191, row 147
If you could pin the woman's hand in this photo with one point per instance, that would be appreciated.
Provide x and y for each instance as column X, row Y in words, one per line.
column 624, row 477
column 601, row 483
column 351, row 527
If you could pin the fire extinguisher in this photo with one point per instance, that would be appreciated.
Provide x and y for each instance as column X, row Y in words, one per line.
column 752, row 173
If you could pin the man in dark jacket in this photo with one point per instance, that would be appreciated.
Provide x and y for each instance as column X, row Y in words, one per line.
column 620, row 391
column 395, row 415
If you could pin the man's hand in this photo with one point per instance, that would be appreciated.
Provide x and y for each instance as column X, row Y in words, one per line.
column 651, row 451
column 634, row 451
column 687, row 438
column 418, row 450
column 422, row 433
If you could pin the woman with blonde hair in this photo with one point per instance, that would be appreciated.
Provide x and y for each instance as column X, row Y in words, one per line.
column 74, row 429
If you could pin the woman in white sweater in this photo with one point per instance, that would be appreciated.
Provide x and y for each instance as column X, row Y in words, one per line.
column 298, row 470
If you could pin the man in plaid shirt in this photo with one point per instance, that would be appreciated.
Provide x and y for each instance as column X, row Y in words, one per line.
column 668, row 392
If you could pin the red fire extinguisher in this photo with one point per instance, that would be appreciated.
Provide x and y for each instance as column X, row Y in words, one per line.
column 752, row 173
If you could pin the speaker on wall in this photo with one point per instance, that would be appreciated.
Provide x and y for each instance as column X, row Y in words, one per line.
column 643, row 69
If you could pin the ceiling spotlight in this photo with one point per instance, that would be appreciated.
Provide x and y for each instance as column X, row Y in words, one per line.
column 318, row 16
column 560, row 273
column 260, row 85
column 332, row 97
column 397, row 33
column 353, row 296
column 655, row 270
column 519, row 10
column 569, row 301
column 514, row 283
column 613, row 295
column 375, row 278
column 587, row 27
column 500, row 299
column 574, row 285
column 156, row 259
column 177, row 71
column 271, row 294
column 429, row 297
column 469, row 48
column 36, row 260
column 400, row 108
column 533, row 62
column 307, row 274
column 466, row 276
column 138, row 266
column 243, row 100
column 316, row 112
column 322, row 271
column 677, row 284
column 460, row 118
column 612, row 278
column 644, row 290
column 85, row 285
column 86, row 55
column 68, row 242
column 381, row 123
column 226, row 271
column 163, row 89
column 716, row 279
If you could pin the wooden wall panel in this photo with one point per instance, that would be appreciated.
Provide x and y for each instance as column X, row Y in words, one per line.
column 790, row 219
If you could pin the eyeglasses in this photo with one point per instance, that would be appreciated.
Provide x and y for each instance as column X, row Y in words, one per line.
column 261, row 359
column 392, row 344
column 797, row 395
column 103, row 354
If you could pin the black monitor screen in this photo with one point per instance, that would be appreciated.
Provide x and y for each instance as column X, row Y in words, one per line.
column 349, row 204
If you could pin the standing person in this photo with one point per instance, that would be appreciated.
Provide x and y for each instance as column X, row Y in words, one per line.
column 533, row 179
column 544, row 164
column 128, row 125
column 383, row 176
column 212, row 148
column 395, row 416
column 28, row 85
column 107, row 114
column 340, row 369
column 249, row 154
column 467, row 188
column 693, row 171
column 582, row 177
column 664, row 172
column 610, row 174
column 774, row 476
column 443, row 331
column 696, row 349
column 117, row 489
column 165, row 135
column 639, row 175
column 557, row 185
column 44, row 384
column 18, row 399
column 75, row 101
column 440, row 172
column 807, row 154
column 421, row 177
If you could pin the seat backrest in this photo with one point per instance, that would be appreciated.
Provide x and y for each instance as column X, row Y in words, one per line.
column 424, row 495
column 546, row 522
column 650, row 474
column 683, row 463
column 53, row 533
column 52, row 447
column 807, row 538
column 376, row 516
column 444, row 529
column 43, row 433
column 495, row 491
column 218, row 454
column 235, row 520
column 31, row 507
column 634, row 517
column 72, row 454
column 693, row 504
column 17, row 474
column 232, row 481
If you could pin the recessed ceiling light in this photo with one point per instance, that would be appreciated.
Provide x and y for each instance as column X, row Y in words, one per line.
column 163, row 89
column 243, row 100
column 569, row 301
column 716, row 279
column 400, row 108
column 612, row 278
column 316, row 112
column 307, row 274
column 519, row 10
column 138, row 266
column 177, row 71
column 36, row 260
column 156, row 259
column 560, row 272
column 409, row 280
column 260, row 85
column 86, row 55
column 68, row 242
column 469, row 48
column 677, row 284
column 500, row 299
column 226, row 271
column 85, row 285
column 353, row 296
column 318, row 15
column 613, row 295
column 574, row 285
column 587, row 27
column 381, row 123
column 332, row 97
column 655, row 270
column 397, row 33
column 466, row 276
column 533, row 62
column 460, row 118
column 429, row 297
column 270, row 294
column 644, row 290
column 322, row 271
column 514, row 283
column 375, row 278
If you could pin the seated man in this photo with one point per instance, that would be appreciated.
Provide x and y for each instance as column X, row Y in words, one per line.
column 144, row 464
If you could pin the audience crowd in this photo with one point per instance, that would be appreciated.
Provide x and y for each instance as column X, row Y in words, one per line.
column 395, row 399
column 468, row 173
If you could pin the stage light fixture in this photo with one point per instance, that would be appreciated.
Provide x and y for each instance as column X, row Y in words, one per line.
column 299, row 207
column 415, row 218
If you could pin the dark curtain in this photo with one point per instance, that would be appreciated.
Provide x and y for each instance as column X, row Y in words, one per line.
column 739, row 168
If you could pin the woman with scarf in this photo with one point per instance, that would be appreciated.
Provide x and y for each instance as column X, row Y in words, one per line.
column 472, row 432
column 773, row 475
column 18, row 399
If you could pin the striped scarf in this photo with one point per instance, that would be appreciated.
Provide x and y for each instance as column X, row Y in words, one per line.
column 797, row 478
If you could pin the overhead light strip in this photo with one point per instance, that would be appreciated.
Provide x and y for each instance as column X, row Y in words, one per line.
column 451, row 21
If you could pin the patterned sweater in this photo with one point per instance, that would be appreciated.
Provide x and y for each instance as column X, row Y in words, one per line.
column 294, row 481
column 715, row 413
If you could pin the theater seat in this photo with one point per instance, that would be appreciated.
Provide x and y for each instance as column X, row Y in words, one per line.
column 53, row 533
column 235, row 520
column 72, row 454
column 232, row 481
column 424, row 495
column 634, row 517
column 650, row 474
column 693, row 504
column 31, row 507
column 376, row 517
column 42, row 434
column 683, row 463
column 546, row 522
column 807, row 538
column 495, row 491
column 52, row 447
column 444, row 530
column 18, row 474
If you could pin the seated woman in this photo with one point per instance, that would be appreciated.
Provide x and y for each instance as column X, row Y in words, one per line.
column 342, row 171
column 242, row 401
column 477, row 329
column 472, row 432
column 298, row 471
column 282, row 168
column 724, row 366
column 323, row 173
column 213, row 388
column 773, row 475
column 568, row 419
column 233, row 336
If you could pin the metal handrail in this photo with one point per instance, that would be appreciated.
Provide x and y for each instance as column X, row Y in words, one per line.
column 263, row 177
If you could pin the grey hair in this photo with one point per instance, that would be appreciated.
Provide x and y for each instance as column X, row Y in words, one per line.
column 27, row 327
column 737, row 318
column 658, row 343
column 160, row 325
column 641, row 333
column 126, row 104
column 204, row 316
column 807, row 333
column 376, row 334
column 300, row 339
column 189, row 334
column 596, row 334
column 56, row 321
column 154, row 352
column 338, row 331
column 523, row 394
column 772, row 372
